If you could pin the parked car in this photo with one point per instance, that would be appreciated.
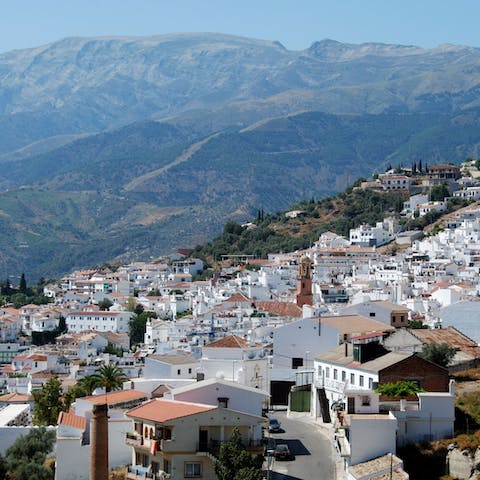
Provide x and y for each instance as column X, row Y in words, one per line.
column 282, row 452
column 274, row 425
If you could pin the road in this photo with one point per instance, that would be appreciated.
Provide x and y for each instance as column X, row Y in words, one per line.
column 310, row 445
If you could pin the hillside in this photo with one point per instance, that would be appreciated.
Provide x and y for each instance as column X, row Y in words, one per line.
column 84, row 85
column 148, row 188
column 131, row 147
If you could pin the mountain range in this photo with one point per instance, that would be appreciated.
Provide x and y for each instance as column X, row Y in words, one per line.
column 129, row 147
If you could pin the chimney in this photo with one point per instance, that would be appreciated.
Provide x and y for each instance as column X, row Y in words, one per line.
column 99, row 443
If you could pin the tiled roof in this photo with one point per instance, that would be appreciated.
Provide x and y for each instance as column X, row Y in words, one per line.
column 173, row 359
column 391, row 306
column 283, row 309
column 112, row 398
column 99, row 313
column 38, row 358
column 451, row 336
column 160, row 410
column 355, row 324
column 343, row 355
column 232, row 341
column 239, row 297
column 71, row 420
column 16, row 398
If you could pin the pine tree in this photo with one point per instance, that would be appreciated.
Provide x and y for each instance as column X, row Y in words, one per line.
column 235, row 463
column 23, row 284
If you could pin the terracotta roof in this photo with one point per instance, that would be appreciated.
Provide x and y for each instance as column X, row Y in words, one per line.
column 160, row 410
column 283, row 309
column 120, row 396
column 99, row 313
column 71, row 420
column 451, row 336
column 37, row 357
column 239, row 297
column 16, row 398
column 232, row 341
column 11, row 311
column 367, row 335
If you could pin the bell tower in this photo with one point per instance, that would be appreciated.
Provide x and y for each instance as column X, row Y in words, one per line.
column 304, row 283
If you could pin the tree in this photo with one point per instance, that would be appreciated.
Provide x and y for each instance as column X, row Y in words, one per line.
column 137, row 327
column 48, row 403
column 62, row 325
column 416, row 324
column 88, row 384
column 439, row 353
column 130, row 304
column 438, row 193
column 110, row 377
column 26, row 457
column 400, row 389
column 235, row 463
column 105, row 304
column 23, row 284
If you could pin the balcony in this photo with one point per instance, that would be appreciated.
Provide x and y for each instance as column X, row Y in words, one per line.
column 137, row 472
column 134, row 439
column 213, row 447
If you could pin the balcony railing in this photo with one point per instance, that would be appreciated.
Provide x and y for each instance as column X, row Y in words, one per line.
column 137, row 472
column 213, row 446
column 134, row 439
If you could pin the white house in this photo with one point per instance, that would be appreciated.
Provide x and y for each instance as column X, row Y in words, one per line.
column 235, row 359
column 296, row 344
column 178, row 438
column 73, row 434
column 220, row 392
column 428, row 207
column 367, row 236
column 103, row 321
column 170, row 366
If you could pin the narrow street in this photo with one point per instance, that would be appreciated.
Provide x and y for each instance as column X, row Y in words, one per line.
column 310, row 445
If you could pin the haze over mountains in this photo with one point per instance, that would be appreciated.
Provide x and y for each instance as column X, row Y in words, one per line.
column 133, row 146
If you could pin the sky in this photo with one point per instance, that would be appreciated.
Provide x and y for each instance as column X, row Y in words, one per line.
column 295, row 23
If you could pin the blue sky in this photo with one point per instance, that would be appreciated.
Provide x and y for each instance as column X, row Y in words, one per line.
column 295, row 23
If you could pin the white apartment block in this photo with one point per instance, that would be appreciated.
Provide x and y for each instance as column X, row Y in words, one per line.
column 367, row 236
column 101, row 321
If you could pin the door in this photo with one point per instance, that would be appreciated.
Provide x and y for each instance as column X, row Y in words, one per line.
column 203, row 441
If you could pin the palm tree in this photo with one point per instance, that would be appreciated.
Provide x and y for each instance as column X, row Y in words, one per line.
column 88, row 384
column 110, row 377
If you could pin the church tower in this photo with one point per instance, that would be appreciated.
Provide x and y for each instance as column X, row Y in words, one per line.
column 304, row 283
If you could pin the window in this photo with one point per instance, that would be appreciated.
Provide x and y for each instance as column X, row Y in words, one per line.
column 193, row 469
column 189, row 370
column 335, row 373
column 370, row 383
column 327, row 372
column 352, row 378
column 297, row 362
column 361, row 380
column 178, row 372
column 365, row 401
column 344, row 375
